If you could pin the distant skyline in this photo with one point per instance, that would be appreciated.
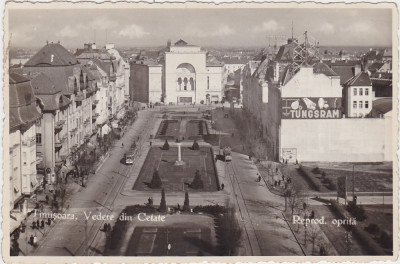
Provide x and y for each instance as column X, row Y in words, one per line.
column 204, row 27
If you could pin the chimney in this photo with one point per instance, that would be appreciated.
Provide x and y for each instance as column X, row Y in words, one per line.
column 357, row 69
column 169, row 43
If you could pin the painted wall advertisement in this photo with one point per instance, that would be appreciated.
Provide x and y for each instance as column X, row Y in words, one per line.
column 289, row 154
column 312, row 108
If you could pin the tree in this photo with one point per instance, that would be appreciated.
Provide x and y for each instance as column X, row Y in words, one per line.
column 186, row 202
column 166, row 145
column 294, row 200
column 195, row 145
column 155, row 181
column 163, row 203
column 229, row 233
column 197, row 182
column 313, row 233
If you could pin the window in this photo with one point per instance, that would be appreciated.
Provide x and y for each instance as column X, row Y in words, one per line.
column 361, row 91
column 366, row 104
column 361, row 104
column 355, row 91
column 208, row 82
column 355, row 104
column 38, row 138
column 366, row 91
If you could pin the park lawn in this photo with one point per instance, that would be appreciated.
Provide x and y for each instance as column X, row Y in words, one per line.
column 172, row 129
column 364, row 181
column 189, row 235
column 178, row 178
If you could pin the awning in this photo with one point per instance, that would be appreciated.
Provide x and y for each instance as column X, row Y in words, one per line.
column 90, row 146
column 121, row 113
column 105, row 130
column 66, row 169
column 15, row 221
column 34, row 181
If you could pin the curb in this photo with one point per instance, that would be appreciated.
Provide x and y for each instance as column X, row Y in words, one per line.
column 102, row 162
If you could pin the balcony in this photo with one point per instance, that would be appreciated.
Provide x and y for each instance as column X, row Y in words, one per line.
column 59, row 163
column 58, row 145
column 39, row 157
column 58, row 126
column 79, row 98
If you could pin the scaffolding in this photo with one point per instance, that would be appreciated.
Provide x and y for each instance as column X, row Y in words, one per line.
column 307, row 48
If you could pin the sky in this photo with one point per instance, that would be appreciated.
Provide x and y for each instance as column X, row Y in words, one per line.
column 233, row 27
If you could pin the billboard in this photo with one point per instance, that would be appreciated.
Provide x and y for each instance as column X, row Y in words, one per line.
column 312, row 108
column 289, row 154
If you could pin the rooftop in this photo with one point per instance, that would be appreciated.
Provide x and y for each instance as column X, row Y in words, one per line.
column 381, row 107
column 361, row 79
column 52, row 54
column 22, row 100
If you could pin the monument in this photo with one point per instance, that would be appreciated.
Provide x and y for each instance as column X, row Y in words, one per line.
column 179, row 162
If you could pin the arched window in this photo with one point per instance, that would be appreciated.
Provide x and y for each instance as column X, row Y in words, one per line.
column 192, row 84
column 81, row 82
column 75, row 86
column 185, row 82
column 180, row 83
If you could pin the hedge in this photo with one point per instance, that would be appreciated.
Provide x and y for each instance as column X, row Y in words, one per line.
column 363, row 238
column 215, row 169
column 315, row 183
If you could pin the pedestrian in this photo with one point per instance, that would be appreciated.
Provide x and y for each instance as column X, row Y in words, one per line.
column 297, row 163
column 42, row 224
column 222, row 186
column 283, row 177
column 48, row 221
column 275, row 183
column 279, row 183
column 33, row 225
column 286, row 162
column 151, row 143
column 31, row 240
column 122, row 145
column 259, row 178
column 47, row 199
column 249, row 157
column 38, row 223
column 179, row 207
column 276, row 170
column 105, row 227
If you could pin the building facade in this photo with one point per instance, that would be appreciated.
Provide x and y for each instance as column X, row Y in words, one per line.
column 23, row 115
column 297, row 111
column 67, row 93
column 180, row 75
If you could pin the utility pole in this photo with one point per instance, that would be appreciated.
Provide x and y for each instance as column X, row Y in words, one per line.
column 353, row 185
column 86, row 238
